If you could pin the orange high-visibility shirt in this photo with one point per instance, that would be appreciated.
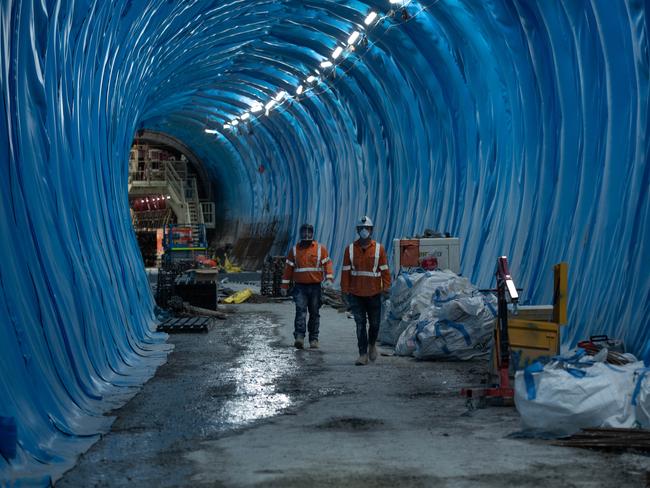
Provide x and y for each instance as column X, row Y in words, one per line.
column 365, row 270
column 307, row 265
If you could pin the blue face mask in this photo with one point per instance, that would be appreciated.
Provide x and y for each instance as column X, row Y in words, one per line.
column 364, row 233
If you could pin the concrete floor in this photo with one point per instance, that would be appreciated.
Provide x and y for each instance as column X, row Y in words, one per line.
column 240, row 407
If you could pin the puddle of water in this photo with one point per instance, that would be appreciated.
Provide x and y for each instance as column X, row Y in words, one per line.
column 256, row 375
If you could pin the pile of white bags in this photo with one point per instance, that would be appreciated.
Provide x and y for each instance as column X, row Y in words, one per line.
column 460, row 329
column 398, row 311
column 438, row 315
column 569, row 394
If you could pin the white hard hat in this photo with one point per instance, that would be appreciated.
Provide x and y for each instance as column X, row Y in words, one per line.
column 365, row 221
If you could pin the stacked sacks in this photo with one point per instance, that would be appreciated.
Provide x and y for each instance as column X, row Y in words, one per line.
column 460, row 329
column 580, row 391
column 398, row 311
column 438, row 315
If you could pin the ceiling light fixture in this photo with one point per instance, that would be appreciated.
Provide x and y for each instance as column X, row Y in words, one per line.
column 326, row 64
column 370, row 19
column 210, row 131
column 353, row 37
column 299, row 90
column 337, row 52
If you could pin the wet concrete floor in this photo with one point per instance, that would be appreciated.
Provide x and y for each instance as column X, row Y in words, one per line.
column 239, row 406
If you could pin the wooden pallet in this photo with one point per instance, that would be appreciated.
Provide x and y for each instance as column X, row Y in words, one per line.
column 185, row 324
column 609, row 439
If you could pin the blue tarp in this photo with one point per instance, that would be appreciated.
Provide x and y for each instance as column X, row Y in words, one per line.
column 520, row 126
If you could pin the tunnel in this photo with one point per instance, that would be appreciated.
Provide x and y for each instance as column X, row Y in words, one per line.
column 520, row 127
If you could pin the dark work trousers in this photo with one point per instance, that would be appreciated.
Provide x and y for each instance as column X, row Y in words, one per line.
column 366, row 308
column 307, row 298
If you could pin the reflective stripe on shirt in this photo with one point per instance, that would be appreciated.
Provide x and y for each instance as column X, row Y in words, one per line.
column 371, row 274
column 308, row 270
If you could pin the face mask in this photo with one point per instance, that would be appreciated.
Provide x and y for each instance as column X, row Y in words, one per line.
column 364, row 233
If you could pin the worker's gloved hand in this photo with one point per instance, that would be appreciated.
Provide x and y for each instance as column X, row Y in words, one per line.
column 328, row 284
column 284, row 292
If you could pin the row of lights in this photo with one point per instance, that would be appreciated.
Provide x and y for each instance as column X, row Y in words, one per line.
column 157, row 199
column 354, row 38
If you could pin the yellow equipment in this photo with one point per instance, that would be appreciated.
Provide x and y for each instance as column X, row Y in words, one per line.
column 239, row 297
column 231, row 268
column 534, row 332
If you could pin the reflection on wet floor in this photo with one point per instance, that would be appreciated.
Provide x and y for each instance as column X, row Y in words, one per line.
column 256, row 375
column 241, row 373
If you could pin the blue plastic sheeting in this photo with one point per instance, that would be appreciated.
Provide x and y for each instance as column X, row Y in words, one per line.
column 520, row 126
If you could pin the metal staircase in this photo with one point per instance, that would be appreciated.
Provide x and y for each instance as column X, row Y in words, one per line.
column 169, row 178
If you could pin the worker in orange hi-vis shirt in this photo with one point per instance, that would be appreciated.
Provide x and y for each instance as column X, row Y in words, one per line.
column 364, row 279
column 308, row 265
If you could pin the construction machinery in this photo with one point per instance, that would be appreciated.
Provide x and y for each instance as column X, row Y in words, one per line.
column 501, row 392
column 410, row 253
column 184, row 242
column 521, row 336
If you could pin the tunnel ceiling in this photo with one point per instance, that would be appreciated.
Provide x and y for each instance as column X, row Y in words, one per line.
column 521, row 127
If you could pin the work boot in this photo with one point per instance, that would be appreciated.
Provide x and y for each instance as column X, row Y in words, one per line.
column 372, row 352
column 362, row 360
column 299, row 342
column 313, row 344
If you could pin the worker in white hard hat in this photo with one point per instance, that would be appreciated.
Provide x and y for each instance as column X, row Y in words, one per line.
column 308, row 265
column 364, row 279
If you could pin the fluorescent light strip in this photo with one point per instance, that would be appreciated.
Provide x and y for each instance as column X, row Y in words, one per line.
column 245, row 116
column 311, row 79
column 299, row 90
column 326, row 64
column 370, row 19
column 210, row 131
column 269, row 105
column 353, row 37
column 280, row 96
column 258, row 107
column 337, row 52
column 234, row 122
